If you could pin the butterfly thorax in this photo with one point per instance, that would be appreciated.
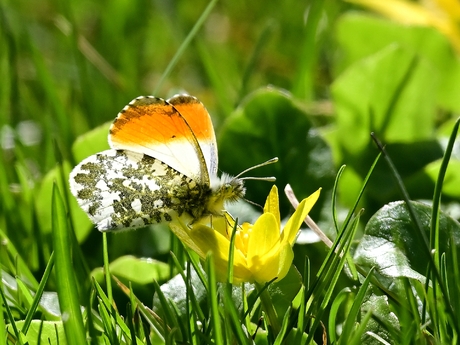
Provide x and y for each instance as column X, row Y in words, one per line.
column 225, row 189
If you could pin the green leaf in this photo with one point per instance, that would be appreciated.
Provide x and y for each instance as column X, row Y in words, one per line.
column 391, row 93
column 282, row 293
column 353, row 29
column 91, row 142
column 361, row 35
column 379, row 304
column 140, row 271
column 269, row 123
column 392, row 245
column 451, row 185
column 52, row 332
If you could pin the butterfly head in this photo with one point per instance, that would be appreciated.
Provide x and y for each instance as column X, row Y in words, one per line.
column 231, row 188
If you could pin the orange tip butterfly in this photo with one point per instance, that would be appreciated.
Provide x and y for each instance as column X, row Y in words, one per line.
column 162, row 165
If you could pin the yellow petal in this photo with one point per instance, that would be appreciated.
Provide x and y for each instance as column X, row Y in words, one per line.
column 285, row 260
column 402, row 11
column 183, row 233
column 451, row 7
column 209, row 240
column 267, row 268
column 293, row 225
column 407, row 12
column 274, row 264
column 272, row 204
column 264, row 235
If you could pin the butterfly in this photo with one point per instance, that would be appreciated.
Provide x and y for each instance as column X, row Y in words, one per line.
column 162, row 165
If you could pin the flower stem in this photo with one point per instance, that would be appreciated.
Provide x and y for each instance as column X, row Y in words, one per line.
column 267, row 306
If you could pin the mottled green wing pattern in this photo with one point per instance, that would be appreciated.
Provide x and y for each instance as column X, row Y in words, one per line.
column 122, row 189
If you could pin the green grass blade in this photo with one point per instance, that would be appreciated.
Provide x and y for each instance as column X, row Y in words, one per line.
column 331, row 275
column 9, row 314
column 231, row 255
column 232, row 319
column 191, row 306
column 359, row 331
column 108, row 281
column 38, row 294
column 199, row 23
column 109, row 328
column 194, row 260
column 332, row 325
column 103, row 299
column 130, row 322
column 213, row 300
column 264, row 37
column 20, row 267
column 156, row 322
column 65, row 278
column 168, row 314
column 330, row 256
column 352, row 315
column 334, row 198
column 191, row 295
column 2, row 311
column 436, row 209
column 303, row 84
column 284, row 328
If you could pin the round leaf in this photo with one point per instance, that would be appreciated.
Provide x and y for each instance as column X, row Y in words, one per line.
column 269, row 123
column 392, row 244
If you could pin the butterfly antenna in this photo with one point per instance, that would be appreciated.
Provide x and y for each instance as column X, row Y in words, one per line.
column 270, row 179
column 253, row 203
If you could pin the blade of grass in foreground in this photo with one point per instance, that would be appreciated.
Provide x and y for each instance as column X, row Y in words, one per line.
column 105, row 303
column 434, row 233
column 65, row 278
column 9, row 316
column 156, row 322
column 213, row 300
column 350, row 325
column 38, row 295
column 199, row 23
column 2, row 311
column 303, row 85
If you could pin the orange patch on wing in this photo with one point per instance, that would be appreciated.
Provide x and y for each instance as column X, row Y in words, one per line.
column 196, row 116
column 147, row 122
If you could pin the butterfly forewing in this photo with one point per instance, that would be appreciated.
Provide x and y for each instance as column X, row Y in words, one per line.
column 123, row 189
column 152, row 126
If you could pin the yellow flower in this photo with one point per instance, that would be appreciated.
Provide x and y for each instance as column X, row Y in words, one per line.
column 443, row 15
column 262, row 252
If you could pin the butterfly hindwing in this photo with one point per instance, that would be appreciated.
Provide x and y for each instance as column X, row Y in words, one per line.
column 124, row 189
